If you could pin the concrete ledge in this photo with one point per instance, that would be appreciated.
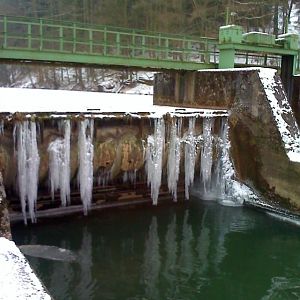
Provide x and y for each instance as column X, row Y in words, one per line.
column 17, row 279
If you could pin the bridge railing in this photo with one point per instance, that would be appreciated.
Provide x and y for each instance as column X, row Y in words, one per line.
column 30, row 34
column 298, row 64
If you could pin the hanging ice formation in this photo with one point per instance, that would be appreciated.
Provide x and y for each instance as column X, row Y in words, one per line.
column 1, row 127
column 28, row 166
column 86, row 156
column 190, row 157
column 229, row 191
column 104, row 177
column 130, row 176
column 59, row 165
column 174, row 157
column 154, row 156
column 207, row 154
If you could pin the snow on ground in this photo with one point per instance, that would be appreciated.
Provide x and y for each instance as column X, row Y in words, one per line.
column 294, row 25
column 291, row 141
column 57, row 101
column 142, row 89
column 17, row 280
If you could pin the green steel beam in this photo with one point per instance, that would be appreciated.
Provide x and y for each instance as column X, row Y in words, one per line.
column 87, row 59
column 259, row 49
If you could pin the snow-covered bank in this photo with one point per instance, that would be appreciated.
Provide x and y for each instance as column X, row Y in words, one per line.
column 17, row 280
column 290, row 133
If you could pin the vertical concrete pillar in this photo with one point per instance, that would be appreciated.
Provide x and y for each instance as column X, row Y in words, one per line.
column 189, row 91
column 177, row 86
column 287, row 68
column 226, row 59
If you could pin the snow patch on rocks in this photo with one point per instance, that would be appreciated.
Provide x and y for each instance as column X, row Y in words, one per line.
column 17, row 279
column 290, row 140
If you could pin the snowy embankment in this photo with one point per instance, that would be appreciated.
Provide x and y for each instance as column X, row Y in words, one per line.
column 289, row 132
column 17, row 280
column 62, row 102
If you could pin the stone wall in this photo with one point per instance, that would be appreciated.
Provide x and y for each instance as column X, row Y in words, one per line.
column 4, row 217
column 257, row 149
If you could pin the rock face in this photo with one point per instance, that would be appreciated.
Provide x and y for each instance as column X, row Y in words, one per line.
column 258, row 150
column 4, row 218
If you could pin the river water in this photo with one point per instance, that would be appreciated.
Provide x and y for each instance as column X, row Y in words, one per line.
column 198, row 251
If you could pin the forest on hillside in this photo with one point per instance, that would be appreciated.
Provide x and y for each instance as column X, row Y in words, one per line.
column 197, row 17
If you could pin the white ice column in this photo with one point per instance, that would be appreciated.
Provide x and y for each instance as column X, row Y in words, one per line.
column 174, row 157
column 225, row 167
column 154, row 157
column 190, row 157
column 59, row 164
column 1, row 127
column 28, row 166
column 207, row 154
column 86, row 156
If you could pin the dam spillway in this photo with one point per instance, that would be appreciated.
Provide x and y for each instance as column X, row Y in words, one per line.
column 61, row 160
column 93, row 154
column 82, row 158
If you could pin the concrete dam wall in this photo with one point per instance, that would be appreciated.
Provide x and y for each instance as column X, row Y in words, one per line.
column 55, row 164
column 231, row 136
column 263, row 132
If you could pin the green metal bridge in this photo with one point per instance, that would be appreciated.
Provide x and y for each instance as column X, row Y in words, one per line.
column 51, row 41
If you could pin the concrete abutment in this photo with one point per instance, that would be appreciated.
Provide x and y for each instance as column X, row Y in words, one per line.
column 262, row 125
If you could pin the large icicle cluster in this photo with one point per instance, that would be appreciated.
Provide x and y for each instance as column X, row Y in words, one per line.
column 174, row 157
column 216, row 175
column 229, row 191
column 207, row 154
column 59, row 165
column 86, row 156
column 190, row 157
column 28, row 166
column 154, row 158
column 216, row 180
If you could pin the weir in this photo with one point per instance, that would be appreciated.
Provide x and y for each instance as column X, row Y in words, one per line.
column 91, row 161
column 222, row 149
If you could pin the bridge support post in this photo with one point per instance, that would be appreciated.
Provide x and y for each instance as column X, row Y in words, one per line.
column 287, row 65
column 226, row 60
column 229, row 36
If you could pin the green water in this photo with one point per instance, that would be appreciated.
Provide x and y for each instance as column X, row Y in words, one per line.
column 203, row 251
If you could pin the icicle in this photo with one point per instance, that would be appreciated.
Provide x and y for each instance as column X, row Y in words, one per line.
column 28, row 166
column 59, row 165
column 86, row 155
column 226, row 171
column 207, row 154
column 174, row 157
column 154, row 156
column 190, row 157
column 130, row 176
column 104, row 177
column 230, row 192
column 2, row 127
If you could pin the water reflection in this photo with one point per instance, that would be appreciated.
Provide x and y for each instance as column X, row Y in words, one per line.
column 152, row 262
column 206, row 251
column 283, row 288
